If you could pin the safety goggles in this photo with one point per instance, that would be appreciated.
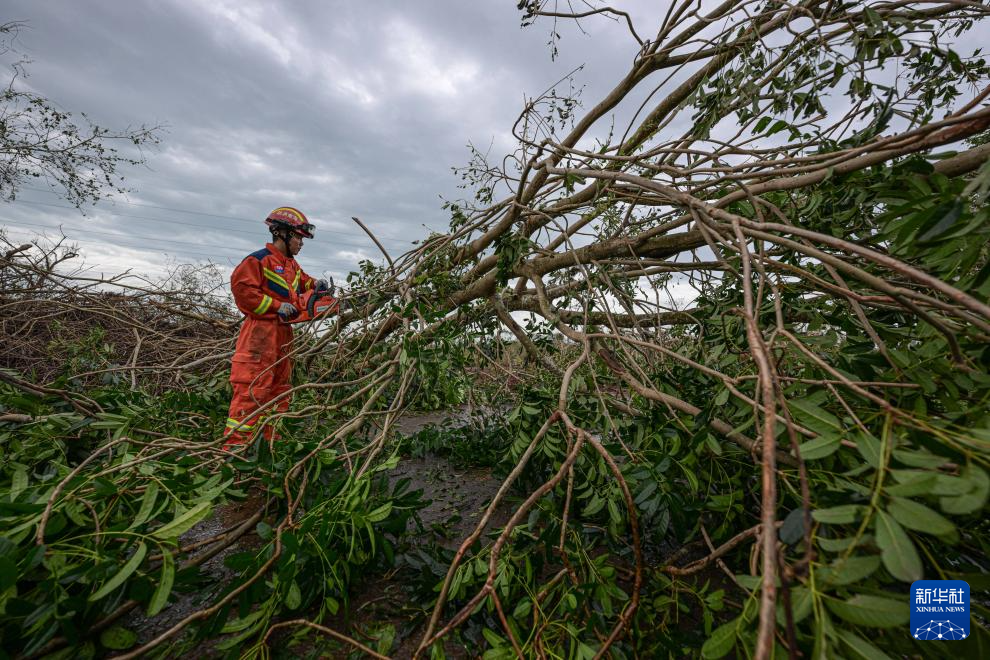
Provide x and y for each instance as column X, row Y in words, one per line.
column 301, row 230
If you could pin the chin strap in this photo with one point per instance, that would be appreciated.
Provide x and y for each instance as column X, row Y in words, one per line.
column 282, row 235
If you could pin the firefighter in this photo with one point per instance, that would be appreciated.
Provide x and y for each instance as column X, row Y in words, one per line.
column 267, row 287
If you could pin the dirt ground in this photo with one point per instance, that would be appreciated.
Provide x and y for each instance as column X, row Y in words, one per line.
column 215, row 573
column 458, row 499
column 457, row 496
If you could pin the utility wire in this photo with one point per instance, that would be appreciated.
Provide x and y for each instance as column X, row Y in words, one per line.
column 90, row 232
column 231, row 258
column 188, row 212
column 176, row 222
column 144, row 248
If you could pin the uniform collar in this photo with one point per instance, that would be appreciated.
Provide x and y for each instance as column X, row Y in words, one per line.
column 277, row 254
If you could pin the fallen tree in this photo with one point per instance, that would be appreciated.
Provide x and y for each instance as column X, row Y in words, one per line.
column 760, row 320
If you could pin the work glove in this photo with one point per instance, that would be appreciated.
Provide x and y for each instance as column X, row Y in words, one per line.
column 287, row 311
column 323, row 285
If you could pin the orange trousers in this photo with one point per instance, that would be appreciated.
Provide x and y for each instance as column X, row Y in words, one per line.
column 259, row 373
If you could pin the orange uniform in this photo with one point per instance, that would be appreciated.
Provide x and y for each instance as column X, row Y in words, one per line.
column 260, row 370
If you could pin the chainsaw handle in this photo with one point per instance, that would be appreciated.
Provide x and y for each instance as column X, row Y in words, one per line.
column 311, row 304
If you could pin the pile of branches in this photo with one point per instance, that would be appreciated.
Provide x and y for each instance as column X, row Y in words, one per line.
column 760, row 310
column 64, row 321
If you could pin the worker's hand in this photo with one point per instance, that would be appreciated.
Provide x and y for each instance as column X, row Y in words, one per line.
column 323, row 285
column 287, row 311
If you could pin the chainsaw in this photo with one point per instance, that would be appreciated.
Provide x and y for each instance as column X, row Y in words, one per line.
column 317, row 303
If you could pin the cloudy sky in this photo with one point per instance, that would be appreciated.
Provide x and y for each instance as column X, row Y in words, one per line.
column 339, row 108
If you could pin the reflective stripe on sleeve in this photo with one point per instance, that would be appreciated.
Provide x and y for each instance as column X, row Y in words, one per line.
column 266, row 302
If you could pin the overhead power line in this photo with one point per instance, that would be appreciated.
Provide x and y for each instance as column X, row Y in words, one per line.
column 316, row 261
column 145, row 247
column 256, row 234
column 190, row 212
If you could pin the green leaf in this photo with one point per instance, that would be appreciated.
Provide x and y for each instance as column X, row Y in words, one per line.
column 912, row 482
column 211, row 493
column 613, row 512
column 859, row 647
column 721, row 642
column 148, row 502
column 843, row 544
column 919, row 517
column 125, row 572
column 293, row 599
column 820, row 447
column 750, row 582
column 899, row 555
column 493, row 638
column 164, row 588
column 8, row 574
column 815, row 418
column 946, row 484
column 381, row 513
column 722, row 397
column 871, row 611
column 73, row 512
column 118, row 638
column 594, row 506
column 945, row 223
column 802, row 602
column 242, row 624
column 384, row 638
column 919, row 459
column 792, row 530
column 975, row 499
column 584, row 652
column 823, row 633
column 181, row 524
column 870, row 449
column 839, row 515
column 851, row 570
column 238, row 640
column 778, row 126
column 19, row 482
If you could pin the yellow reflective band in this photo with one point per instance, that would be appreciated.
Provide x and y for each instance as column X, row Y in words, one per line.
column 266, row 302
column 295, row 282
column 309, row 284
column 275, row 277
column 236, row 425
column 289, row 209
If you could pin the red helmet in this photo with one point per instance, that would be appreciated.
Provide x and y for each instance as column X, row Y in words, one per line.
column 286, row 217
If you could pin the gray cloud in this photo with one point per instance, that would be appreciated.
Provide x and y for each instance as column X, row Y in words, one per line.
column 338, row 108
